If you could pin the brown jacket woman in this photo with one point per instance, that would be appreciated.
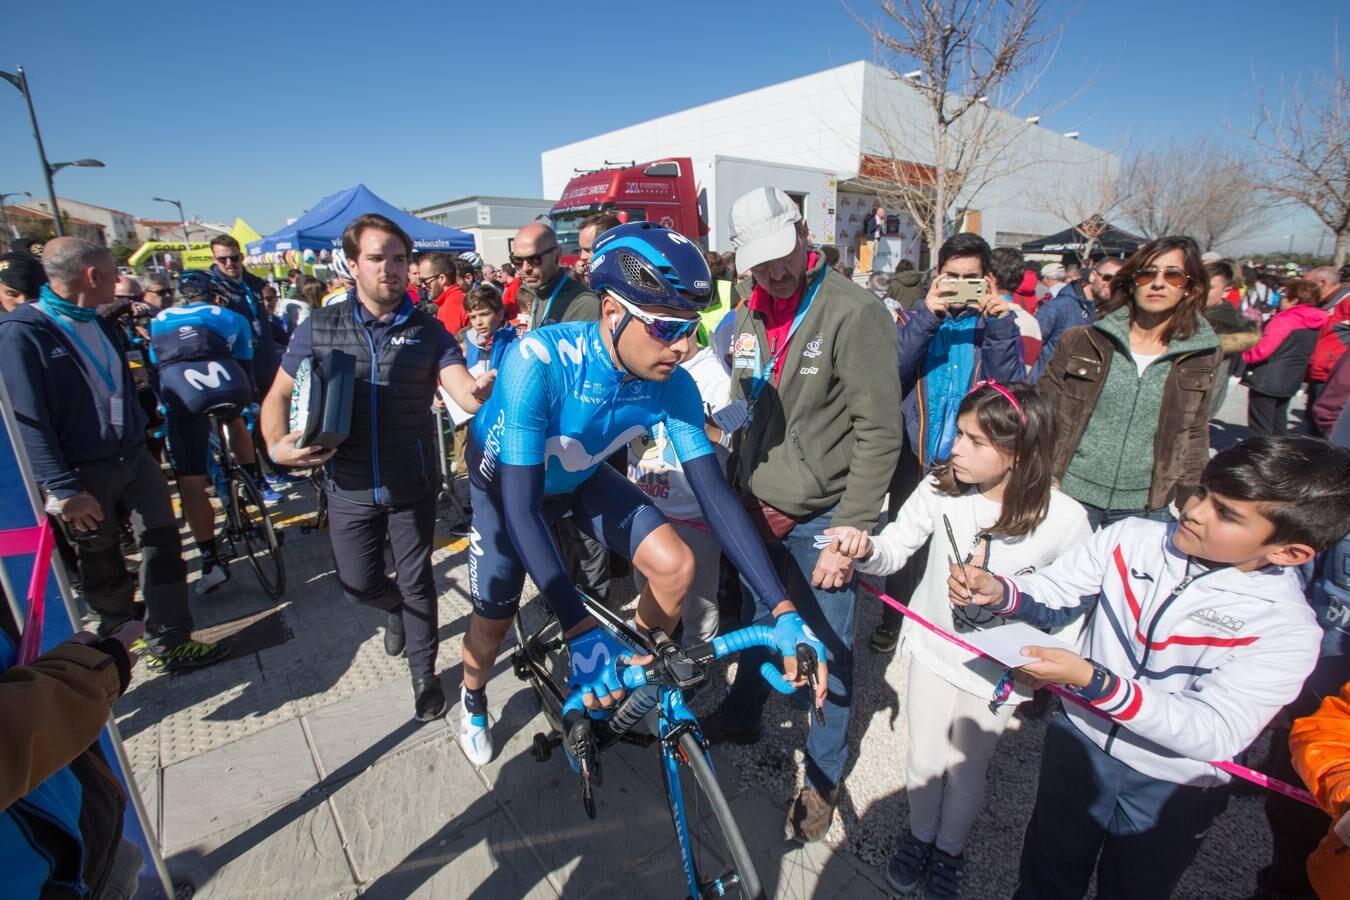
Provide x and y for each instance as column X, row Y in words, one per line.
column 1132, row 391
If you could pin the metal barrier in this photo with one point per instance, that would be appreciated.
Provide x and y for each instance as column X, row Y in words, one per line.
column 21, row 508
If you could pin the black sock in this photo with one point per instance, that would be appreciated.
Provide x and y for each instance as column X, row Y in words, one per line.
column 254, row 472
column 475, row 700
column 208, row 550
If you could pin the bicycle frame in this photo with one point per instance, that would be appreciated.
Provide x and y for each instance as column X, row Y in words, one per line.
column 673, row 670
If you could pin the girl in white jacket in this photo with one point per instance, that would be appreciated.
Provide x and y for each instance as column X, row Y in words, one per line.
column 995, row 492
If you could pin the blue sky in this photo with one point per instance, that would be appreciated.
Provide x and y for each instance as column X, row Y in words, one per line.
column 261, row 115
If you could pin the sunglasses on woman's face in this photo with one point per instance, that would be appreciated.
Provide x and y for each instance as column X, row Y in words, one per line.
column 1172, row 275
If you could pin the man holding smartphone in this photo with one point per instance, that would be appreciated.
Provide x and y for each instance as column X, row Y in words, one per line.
column 962, row 332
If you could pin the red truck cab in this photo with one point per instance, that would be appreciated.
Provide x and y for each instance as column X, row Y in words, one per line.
column 661, row 191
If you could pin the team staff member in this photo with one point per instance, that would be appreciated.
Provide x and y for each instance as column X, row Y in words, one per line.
column 381, row 480
column 547, row 293
column 815, row 357
column 75, row 403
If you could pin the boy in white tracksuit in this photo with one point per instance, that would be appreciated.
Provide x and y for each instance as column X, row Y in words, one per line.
column 1200, row 635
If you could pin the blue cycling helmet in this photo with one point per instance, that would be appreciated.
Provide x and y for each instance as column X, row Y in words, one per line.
column 204, row 284
column 648, row 265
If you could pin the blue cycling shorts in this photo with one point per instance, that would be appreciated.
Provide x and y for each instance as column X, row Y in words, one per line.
column 607, row 507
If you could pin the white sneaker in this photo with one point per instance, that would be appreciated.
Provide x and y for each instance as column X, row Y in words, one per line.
column 212, row 578
column 475, row 738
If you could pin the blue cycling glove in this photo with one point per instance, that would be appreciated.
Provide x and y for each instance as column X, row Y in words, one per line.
column 593, row 658
column 789, row 630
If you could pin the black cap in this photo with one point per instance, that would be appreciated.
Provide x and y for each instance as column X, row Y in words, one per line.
column 23, row 273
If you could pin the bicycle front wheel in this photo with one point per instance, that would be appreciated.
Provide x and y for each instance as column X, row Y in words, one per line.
column 253, row 526
column 716, row 861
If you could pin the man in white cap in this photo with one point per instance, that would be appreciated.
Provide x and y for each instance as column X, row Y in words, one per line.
column 814, row 355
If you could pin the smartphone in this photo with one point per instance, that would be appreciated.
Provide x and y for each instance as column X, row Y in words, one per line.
column 968, row 291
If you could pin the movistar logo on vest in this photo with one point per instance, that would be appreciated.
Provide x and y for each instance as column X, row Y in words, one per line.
column 402, row 340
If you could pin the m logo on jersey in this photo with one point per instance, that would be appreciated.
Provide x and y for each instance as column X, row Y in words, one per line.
column 215, row 373
column 402, row 340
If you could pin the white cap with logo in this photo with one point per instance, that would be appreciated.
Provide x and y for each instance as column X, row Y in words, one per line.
column 763, row 227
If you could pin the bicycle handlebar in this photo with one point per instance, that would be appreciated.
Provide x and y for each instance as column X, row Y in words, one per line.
column 635, row 677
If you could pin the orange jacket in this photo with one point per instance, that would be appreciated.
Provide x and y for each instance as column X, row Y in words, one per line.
column 1320, row 744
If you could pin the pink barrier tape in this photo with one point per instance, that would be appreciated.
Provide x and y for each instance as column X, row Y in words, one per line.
column 19, row 541
column 40, row 541
column 1232, row 768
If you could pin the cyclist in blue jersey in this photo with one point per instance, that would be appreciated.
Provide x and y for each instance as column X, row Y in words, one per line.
column 199, row 347
column 568, row 396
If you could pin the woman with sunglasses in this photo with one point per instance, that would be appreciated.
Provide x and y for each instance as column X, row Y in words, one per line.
column 1132, row 390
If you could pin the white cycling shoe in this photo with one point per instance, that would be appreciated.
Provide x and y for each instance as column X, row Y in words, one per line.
column 475, row 736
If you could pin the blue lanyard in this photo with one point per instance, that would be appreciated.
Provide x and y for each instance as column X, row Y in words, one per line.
column 103, row 371
column 548, row 304
column 761, row 380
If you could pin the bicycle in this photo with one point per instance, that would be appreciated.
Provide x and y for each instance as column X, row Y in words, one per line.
column 247, row 522
column 715, row 859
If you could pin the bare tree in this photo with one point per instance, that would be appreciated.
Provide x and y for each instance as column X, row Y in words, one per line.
column 1193, row 188
column 1087, row 210
column 963, row 57
column 1304, row 150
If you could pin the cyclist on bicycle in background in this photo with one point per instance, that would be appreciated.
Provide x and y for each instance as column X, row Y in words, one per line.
column 567, row 397
column 198, row 347
column 341, row 275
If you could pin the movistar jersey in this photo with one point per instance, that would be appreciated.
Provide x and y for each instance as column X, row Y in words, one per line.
column 560, row 401
column 199, row 331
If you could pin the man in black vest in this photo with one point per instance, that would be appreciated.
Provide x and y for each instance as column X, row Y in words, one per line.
column 381, row 481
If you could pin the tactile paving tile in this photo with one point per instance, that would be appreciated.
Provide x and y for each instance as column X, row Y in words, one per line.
column 235, row 713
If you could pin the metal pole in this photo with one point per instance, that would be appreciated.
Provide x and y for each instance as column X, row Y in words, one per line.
column 42, row 153
column 1291, row 246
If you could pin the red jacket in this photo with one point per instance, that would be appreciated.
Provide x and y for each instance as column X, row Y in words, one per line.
column 1330, row 343
column 450, row 309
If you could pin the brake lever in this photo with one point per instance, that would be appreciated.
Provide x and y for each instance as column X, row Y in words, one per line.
column 806, row 665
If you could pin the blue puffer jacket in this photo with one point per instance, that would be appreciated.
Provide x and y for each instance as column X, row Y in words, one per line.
column 59, row 839
column 999, row 356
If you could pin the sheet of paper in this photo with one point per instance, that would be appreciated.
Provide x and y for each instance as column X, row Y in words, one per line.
column 457, row 414
column 1005, row 642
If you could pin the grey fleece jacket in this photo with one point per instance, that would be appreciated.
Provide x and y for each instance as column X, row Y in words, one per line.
column 828, row 434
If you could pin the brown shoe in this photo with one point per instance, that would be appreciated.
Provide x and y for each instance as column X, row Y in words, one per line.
column 810, row 815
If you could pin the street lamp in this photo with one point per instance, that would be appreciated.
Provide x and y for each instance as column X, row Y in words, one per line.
column 182, row 218
column 4, row 219
column 20, row 81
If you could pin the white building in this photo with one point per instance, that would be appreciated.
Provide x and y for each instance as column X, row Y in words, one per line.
column 845, row 121
column 493, row 221
column 119, row 227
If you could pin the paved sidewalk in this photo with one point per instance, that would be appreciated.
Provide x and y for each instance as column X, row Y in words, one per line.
column 296, row 771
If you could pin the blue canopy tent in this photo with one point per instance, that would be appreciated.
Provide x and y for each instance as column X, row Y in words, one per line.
column 321, row 227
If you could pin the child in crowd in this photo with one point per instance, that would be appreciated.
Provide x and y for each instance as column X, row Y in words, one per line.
column 487, row 336
column 1200, row 635
column 996, row 494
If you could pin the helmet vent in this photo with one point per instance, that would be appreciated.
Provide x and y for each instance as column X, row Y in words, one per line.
column 640, row 276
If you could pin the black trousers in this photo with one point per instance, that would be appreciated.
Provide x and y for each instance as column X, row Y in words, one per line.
column 1267, row 414
column 135, row 485
column 358, row 533
column 1095, row 812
